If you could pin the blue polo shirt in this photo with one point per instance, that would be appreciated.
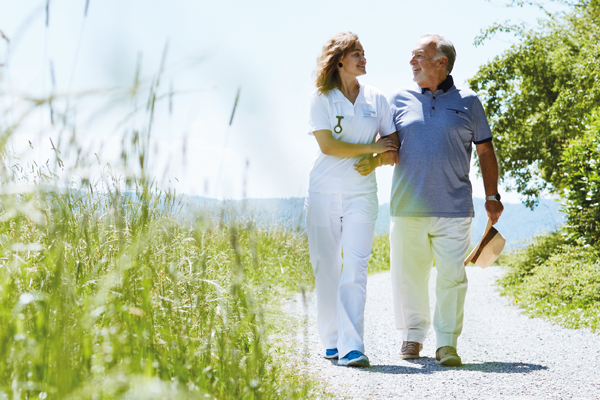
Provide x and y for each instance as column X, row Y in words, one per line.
column 436, row 132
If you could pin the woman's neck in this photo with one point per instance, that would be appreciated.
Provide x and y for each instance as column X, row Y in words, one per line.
column 350, row 88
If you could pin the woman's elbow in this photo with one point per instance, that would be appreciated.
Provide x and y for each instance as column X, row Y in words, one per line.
column 327, row 150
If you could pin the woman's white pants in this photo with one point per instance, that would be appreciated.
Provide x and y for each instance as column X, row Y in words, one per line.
column 340, row 231
column 413, row 243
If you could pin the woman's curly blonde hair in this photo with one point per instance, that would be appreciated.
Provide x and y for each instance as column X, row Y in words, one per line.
column 327, row 76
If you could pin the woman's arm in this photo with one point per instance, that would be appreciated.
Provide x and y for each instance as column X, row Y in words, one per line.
column 337, row 148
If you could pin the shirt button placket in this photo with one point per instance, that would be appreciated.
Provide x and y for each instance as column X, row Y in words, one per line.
column 432, row 106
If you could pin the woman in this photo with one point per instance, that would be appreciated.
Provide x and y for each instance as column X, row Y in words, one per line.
column 341, row 207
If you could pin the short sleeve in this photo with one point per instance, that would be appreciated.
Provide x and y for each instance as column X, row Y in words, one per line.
column 318, row 113
column 386, row 122
column 481, row 129
column 393, row 110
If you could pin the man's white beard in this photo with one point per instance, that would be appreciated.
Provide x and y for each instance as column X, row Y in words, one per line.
column 418, row 78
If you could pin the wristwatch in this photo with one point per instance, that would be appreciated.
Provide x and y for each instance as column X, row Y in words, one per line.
column 495, row 197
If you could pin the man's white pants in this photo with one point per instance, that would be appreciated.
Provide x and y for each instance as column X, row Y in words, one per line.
column 337, row 222
column 413, row 243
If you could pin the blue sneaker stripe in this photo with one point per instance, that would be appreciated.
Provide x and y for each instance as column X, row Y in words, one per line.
column 331, row 354
column 354, row 359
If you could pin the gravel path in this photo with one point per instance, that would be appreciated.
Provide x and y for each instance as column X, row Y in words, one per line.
column 506, row 355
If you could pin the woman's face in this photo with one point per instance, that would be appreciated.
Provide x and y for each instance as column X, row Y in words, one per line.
column 354, row 63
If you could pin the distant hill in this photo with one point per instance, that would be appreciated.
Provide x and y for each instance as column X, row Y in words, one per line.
column 287, row 212
column 517, row 223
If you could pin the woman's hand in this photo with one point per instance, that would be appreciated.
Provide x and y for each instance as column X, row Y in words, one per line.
column 384, row 144
column 367, row 165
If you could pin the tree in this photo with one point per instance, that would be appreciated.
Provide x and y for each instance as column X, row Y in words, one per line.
column 538, row 93
column 581, row 181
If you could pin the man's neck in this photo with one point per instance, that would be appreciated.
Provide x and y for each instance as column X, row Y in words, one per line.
column 433, row 84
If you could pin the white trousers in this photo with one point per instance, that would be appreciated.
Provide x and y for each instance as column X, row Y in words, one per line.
column 413, row 243
column 337, row 222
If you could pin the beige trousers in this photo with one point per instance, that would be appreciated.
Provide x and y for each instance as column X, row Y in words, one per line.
column 414, row 242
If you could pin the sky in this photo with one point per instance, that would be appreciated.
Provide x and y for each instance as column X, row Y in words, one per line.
column 266, row 49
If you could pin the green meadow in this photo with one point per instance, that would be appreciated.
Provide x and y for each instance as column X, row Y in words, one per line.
column 104, row 295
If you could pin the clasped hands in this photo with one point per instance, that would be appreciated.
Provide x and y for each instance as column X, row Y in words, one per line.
column 387, row 154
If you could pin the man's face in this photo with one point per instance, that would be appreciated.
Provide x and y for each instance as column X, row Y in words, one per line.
column 424, row 68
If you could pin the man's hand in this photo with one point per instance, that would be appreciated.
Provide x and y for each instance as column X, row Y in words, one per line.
column 494, row 209
column 389, row 158
column 489, row 172
column 367, row 165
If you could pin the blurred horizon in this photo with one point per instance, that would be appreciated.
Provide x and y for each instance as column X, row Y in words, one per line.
column 517, row 223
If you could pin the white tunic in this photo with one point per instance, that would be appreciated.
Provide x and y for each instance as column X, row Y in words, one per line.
column 362, row 121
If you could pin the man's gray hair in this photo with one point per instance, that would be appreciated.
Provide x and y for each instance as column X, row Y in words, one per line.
column 445, row 48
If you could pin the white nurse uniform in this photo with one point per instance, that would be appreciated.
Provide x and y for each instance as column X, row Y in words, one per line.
column 341, row 210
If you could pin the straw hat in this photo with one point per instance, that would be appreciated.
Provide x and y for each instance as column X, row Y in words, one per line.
column 488, row 249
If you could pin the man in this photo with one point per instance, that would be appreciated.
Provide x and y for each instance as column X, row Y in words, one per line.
column 431, row 202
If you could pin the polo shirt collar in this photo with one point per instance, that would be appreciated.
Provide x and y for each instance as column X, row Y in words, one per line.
column 444, row 86
column 338, row 96
column 360, row 99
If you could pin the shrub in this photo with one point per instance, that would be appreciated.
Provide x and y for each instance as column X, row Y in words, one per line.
column 565, row 288
column 581, row 180
column 556, row 279
column 522, row 262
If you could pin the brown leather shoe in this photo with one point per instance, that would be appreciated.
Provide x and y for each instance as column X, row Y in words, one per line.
column 410, row 350
column 447, row 357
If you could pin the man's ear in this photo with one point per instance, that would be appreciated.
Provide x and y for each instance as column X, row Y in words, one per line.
column 443, row 61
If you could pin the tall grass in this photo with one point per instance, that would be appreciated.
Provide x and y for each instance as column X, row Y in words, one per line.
column 107, row 291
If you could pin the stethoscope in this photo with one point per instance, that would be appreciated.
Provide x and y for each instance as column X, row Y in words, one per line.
column 339, row 125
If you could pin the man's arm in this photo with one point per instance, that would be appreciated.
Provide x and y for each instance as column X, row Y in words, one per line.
column 390, row 157
column 489, row 171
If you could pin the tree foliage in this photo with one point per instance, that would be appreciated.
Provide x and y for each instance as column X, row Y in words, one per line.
column 538, row 93
column 581, row 182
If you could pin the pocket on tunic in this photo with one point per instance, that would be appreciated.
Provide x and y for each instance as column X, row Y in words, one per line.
column 369, row 112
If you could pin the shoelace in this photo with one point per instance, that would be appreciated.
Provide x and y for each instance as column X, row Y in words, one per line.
column 411, row 347
column 448, row 351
